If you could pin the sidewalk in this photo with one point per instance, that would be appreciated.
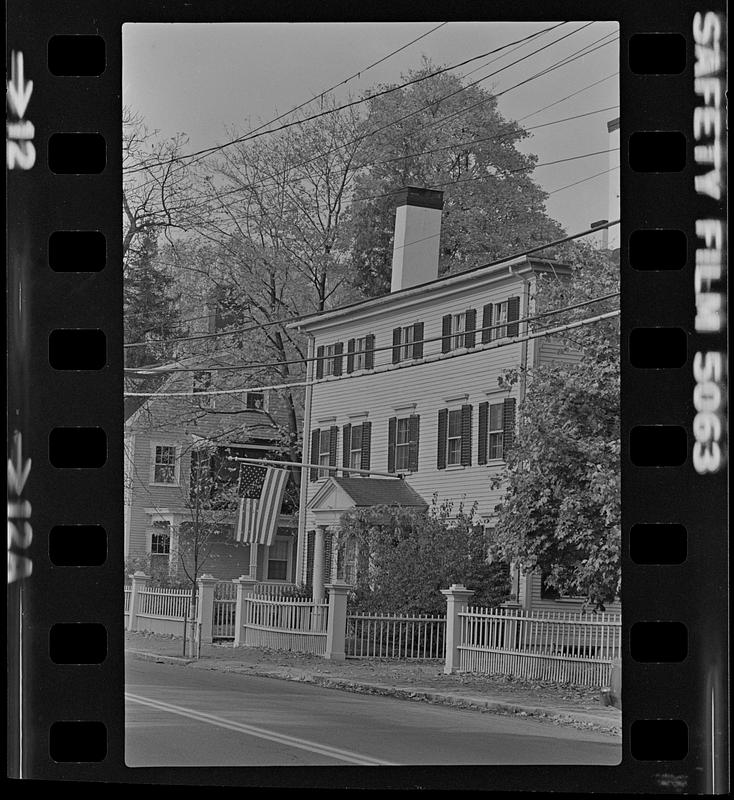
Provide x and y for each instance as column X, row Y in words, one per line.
column 423, row 681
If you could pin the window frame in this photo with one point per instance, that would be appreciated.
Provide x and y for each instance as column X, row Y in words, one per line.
column 402, row 449
column 324, row 432
column 496, row 431
column 248, row 407
column 288, row 542
column 161, row 529
column 360, row 353
column 355, row 452
column 458, row 330
column 453, row 413
column 407, row 342
column 154, row 463
column 500, row 320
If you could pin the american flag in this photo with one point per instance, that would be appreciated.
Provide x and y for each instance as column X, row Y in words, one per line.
column 261, row 495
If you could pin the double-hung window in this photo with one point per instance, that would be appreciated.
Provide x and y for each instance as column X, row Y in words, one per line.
column 160, row 539
column 329, row 359
column 403, row 435
column 458, row 330
column 496, row 429
column 278, row 555
column 499, row 320
column 360, row 353
column 323, row 451
column 407, row 342
column 454, row 436
column 356, row 445
column 164, row 464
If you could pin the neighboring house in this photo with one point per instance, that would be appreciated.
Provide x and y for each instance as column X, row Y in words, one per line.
column 165, row 437
column 406, row 385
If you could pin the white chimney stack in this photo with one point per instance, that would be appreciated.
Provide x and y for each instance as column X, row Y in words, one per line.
column 417, row 237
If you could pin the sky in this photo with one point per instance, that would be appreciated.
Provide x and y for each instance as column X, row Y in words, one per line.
column 215, row 80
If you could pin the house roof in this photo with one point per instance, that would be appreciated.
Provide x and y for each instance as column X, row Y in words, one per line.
column 380, row 492
column 495, row 270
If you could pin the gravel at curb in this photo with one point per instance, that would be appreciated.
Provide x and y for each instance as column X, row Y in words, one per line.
column 362, row 687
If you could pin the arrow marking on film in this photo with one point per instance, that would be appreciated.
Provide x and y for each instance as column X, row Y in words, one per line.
column 19, row 92
column 17, row 471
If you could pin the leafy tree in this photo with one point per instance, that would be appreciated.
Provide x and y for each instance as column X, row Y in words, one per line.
column 442, row 133
column 561, row 510
column 406, row 556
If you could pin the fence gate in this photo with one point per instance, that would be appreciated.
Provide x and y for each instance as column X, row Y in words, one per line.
column 224, row 610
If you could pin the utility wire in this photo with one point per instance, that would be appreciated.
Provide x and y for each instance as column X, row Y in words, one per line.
column 503, row 260
column 159, row 369
column 390, row 367
column 258, row 133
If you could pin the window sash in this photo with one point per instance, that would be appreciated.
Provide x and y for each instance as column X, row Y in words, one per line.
column 329, row 359
column 355, row 447
column 360, row 351
column 255, row 401
column 500, row 317
column 407, row 336
column 458, row 327
column 402, row 444
column 453, row 438
column 324, row 453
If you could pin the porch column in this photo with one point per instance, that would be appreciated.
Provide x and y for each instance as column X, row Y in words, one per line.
column 253, row 560
column 318, row 564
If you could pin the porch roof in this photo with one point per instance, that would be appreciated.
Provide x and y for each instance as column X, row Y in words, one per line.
column 380, row 492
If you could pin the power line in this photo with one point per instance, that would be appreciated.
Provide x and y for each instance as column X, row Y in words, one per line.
column 294, row 319
column 583, row 180
column 563, row 62
column 157, row 370
column 258, row 133
column 390, row 367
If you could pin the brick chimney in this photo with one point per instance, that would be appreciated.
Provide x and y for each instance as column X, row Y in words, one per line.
column 417, row 237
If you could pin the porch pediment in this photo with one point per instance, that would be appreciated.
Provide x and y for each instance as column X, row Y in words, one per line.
column 342, row 494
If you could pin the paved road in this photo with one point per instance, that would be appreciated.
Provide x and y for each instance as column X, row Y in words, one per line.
column 180, row 716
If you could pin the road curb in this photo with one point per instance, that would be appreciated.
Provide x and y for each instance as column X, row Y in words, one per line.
column 400, row 692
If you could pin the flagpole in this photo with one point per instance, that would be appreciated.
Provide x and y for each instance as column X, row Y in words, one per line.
column 265, row 462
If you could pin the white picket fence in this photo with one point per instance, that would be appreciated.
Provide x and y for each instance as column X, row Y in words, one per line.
column 225, row 605
column 285, row 624
column 395, row 636
column 564, row 647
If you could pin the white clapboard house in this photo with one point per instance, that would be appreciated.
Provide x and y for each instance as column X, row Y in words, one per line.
column 406, row 384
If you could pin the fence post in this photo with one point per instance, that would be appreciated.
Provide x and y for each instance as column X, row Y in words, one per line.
column 139, row 584
column 457, row 596
column 336, row 624
column 245, row 587
column 206, row 584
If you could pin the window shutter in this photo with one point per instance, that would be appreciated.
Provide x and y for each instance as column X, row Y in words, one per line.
column 486, row 323
column 328, row 550
column 366, row 434
column 395, row 345
column 320, row 362
column 392, row 432
column 483, row 423
column 346, row 444
column 369, row 356
column 508, row 425
column 338, row 350
column 350, row 356
column 418, row 340
column 470, row 338
column 414, row 422
column 446, row 333
column 466, row 413
column 513, row 313
column 443, row 419
column 314, row 457
column 333, row 436
column 310, row 540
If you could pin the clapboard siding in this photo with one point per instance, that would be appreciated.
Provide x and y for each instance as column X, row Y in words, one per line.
column 422, row 389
